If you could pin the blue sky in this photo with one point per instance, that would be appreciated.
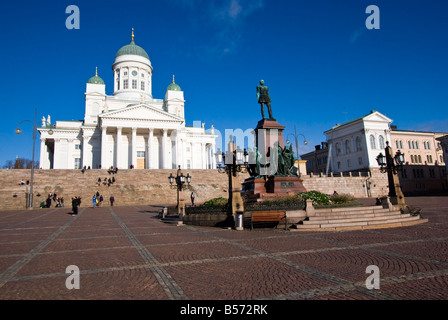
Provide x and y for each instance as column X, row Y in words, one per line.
column 321, row 63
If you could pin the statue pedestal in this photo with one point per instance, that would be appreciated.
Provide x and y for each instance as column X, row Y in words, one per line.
column 257, row 189
column 271, row 182
column 267, row 132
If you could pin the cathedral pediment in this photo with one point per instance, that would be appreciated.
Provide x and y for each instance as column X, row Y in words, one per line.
column 141, row 112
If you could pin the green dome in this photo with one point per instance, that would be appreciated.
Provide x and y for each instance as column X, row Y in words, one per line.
column 95, row 79
column 174, row 86
column 132, row 48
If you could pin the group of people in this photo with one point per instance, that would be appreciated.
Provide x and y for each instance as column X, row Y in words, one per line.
column 97, row 200
column 112, row 170
column 52, row 197
column 106, row 181
column 84, row 169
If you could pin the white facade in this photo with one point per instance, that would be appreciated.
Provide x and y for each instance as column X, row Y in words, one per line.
column 128, row 128
column 354, row 145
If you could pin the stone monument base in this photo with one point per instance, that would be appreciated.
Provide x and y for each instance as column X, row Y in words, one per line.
column 259, row 189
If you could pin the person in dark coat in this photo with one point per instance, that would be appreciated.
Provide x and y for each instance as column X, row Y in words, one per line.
column 48, row 202
column 75, row 204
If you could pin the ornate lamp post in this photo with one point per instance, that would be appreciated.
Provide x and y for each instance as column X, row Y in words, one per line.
column 19, row 131
column 391, row 164
column 295, row 135
column 231, row 163
column 180, row 180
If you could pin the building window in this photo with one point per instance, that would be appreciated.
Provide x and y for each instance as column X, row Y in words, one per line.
column 338, row 149
column 125, row 73
column 372, row 142
column 429, row 158
column 134, row 84
column 347, row 147
column 420, row 159
column 358, row 144
column 360, row 160
column 125, row 84
column 381, row 141
column 142, row 86
column 77, row 147
column 339, row 165
column 188, row 164
column 77, row 163
column 140, row 154
column 404, row 174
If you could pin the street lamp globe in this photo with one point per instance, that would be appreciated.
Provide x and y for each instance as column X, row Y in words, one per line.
column 18, row 131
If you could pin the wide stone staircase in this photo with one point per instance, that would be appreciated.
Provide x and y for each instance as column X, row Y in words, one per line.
column 366, row 217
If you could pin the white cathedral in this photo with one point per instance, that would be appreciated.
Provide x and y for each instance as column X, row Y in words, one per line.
column 128, row 128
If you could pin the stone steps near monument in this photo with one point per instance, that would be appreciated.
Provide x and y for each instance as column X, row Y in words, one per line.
column 356, row 218
column 132, row 186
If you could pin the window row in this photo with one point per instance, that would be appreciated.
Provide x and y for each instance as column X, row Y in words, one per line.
column 134, row 84
column 348, row 146
column 381, row 142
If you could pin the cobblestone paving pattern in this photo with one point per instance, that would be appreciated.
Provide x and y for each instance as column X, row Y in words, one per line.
column 127, row 253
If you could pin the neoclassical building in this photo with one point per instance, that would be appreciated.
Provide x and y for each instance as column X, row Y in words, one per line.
column 128, row 128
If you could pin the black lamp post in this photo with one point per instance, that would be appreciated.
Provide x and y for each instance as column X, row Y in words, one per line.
column 231, row 163
column 180, row 181
column 296, row 135
column 19, row 131
column 391, row 164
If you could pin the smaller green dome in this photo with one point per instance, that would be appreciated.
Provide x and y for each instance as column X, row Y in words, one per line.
column 174, row 86
column 95, row 79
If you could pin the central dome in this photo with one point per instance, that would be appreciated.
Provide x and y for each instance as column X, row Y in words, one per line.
column 132, row 49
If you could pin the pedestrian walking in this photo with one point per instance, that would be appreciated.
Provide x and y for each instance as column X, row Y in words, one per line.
column 192, row 198
column 94, row 201
column 75, row 204
column 100, row 203
column 111, row 199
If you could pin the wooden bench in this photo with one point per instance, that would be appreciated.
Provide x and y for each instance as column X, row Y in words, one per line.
column 267, row 216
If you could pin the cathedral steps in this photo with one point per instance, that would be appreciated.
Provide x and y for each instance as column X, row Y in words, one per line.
column 356, row 218
column 132, row 186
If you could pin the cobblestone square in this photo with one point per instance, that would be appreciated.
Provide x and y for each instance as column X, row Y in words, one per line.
column 128, row 253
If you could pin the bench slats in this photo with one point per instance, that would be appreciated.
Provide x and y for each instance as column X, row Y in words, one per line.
column 267, row 216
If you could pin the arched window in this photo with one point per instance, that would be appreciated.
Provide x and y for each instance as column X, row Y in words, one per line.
column 338, row 149
column 419, row 159
column 372, row 142
column 381, row 141
column 347, row 147
column 358, row 144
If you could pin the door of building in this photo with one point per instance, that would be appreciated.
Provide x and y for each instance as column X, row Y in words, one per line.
column 141, row 160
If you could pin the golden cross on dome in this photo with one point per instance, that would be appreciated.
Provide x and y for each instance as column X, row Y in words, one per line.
column 96, row 71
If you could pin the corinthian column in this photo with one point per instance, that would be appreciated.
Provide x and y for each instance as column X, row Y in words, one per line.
column 103, row 148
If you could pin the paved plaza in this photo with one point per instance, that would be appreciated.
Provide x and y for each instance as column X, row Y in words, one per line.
column 127, row 253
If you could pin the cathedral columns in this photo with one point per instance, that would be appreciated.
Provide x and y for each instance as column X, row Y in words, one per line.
column 133, row 147
column 43, row 162
column 164, row 149
column 149, row 155
column 103, row 148
column 118, row 149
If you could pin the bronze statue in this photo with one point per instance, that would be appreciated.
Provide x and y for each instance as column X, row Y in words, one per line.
column 264, row 99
